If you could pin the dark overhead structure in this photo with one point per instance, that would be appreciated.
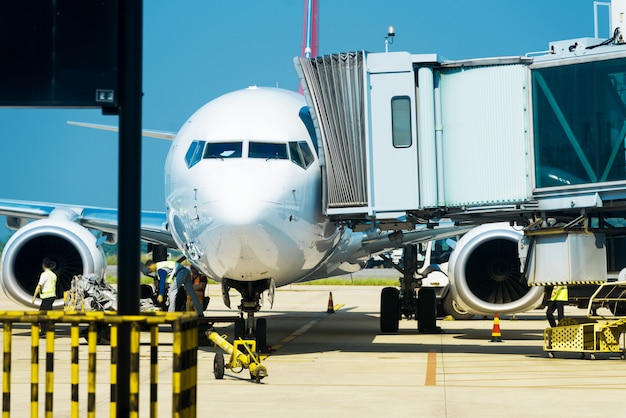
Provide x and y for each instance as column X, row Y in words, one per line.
column 60, row 53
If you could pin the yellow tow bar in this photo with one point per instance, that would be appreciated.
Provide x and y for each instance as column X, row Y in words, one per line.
column 239, row 360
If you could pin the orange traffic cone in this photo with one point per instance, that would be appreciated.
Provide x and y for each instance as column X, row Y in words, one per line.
column 496, row 337
column 331, row 305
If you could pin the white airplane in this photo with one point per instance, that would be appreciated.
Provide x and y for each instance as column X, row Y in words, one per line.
column 243, row 198
column 243, row 204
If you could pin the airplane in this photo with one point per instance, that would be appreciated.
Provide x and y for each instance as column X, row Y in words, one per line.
column 243, row 204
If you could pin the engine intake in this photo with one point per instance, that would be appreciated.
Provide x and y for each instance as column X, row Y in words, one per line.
column 484, row 272
column 71, row 246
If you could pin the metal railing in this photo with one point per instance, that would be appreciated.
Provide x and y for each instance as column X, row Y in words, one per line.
column 102, row 328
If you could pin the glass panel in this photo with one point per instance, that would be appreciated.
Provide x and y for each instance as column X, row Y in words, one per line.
column 223, row 150
column 401, row 121
column 194, row 153
column 267, row 150
column 307, row 154
column 579, row 123
column 301, row 154
column 295, row 154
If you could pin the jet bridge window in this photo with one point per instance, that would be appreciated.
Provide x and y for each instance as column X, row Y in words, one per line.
column 401, row 121
column 579, row 114
column 223, row 150
column 194, row 153
column 268, row 150
column 300, row 153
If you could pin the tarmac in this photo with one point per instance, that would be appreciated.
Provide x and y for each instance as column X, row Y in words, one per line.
column 340, row 364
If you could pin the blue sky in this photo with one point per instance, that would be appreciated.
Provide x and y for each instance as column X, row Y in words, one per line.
column 197, row 50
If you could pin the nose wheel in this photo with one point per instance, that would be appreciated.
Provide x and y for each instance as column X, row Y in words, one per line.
column 257, row 332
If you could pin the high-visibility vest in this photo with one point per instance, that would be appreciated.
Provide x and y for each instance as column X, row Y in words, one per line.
column 49, row 286
column 559, row 293
column 169, row 267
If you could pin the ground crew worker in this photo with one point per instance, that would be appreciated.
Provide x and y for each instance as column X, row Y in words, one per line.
column 199, row 282
column 170, row 275
column 46, row 288
column 161, row 270
column 558, row 298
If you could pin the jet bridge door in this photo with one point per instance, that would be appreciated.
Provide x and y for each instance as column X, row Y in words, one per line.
column 392, row 139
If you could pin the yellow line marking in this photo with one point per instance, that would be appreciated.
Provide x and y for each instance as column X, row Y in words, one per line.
column 431, row 369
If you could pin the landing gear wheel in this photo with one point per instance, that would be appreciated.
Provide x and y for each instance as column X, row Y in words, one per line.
column 218, row 366
column 240, row 328
column 427, row 311
column 550, row 354
column 389, row 309
column 261, row 335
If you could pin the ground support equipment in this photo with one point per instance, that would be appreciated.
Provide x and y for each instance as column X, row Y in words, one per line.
column 589, row 336
column 593, row 334
column 243, row 355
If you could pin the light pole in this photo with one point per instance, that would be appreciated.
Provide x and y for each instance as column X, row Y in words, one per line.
column 389, row 38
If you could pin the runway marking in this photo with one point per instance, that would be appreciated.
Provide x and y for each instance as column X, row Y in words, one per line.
column 304, row 328
column 431, row 369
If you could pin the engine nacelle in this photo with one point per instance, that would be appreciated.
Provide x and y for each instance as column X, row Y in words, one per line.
column 484, row 272
column 72, row 247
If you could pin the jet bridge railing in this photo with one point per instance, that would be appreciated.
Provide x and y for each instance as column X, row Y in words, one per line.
column 61, row 325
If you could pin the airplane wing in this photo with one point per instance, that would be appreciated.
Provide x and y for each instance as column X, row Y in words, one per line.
column 145, row 132
column 64, row 233
column 153, row 225
column 352, row 255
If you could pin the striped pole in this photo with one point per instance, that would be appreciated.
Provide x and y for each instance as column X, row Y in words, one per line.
column 92, row 342
column 193, row 367
column 154, row 370
column 34, row 370
column 49, row 368
column 75, row 338
column 6, row 371
column 133, row 399
column 113, row 402
column 176, row 369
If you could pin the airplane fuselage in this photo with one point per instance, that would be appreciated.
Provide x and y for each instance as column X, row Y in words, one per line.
column 243, row 189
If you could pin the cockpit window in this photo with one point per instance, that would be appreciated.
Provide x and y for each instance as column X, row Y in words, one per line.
column 194, row 153
column 300, row 153
column 223, row 150
column 268, row 150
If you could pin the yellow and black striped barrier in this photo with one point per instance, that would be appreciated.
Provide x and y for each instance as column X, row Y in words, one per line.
column 184, row 347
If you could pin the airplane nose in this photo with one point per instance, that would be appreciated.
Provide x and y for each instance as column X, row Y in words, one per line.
column 236, row 200
column 239, row 208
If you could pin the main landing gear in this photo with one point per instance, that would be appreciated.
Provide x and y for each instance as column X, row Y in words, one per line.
column 410, row 300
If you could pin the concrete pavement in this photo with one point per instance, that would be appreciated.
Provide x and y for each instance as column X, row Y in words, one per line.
column 341, row 365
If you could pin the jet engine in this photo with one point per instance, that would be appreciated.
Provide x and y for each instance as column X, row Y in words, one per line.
column 72, row 247
column 485, row 275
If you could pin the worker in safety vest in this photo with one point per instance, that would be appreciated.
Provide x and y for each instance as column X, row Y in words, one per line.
column 171, row 275
column 46, row 288
column 199, row 282
column 558, row 298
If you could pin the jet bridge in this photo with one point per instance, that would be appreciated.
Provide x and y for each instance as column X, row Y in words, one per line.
column 402, row 133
